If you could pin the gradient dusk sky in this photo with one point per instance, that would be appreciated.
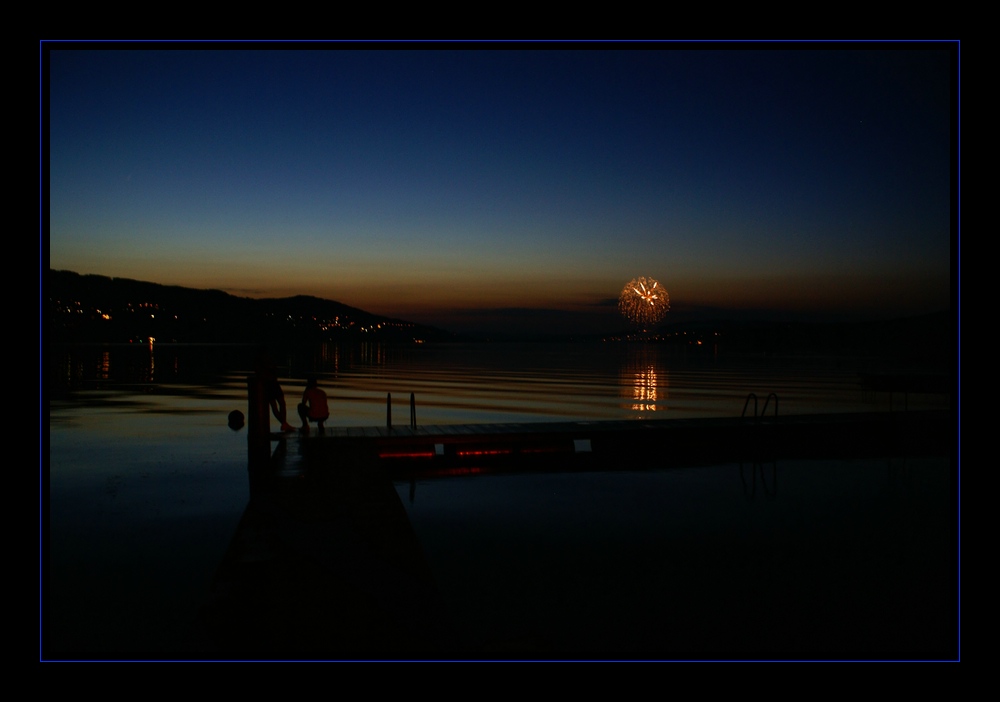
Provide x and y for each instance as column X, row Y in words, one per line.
column 512, row 186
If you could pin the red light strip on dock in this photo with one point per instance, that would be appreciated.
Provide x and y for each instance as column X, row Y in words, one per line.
column 485, row 452
column 407, row 454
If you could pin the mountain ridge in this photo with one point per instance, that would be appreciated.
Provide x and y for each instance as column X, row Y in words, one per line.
column 91, row 307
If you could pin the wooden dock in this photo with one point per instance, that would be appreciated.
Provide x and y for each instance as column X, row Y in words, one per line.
column 426, row 450
column 325, row 564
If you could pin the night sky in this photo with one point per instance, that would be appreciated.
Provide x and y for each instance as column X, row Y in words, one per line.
column 512, row 188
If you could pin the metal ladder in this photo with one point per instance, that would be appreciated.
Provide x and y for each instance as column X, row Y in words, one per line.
column 753, row 396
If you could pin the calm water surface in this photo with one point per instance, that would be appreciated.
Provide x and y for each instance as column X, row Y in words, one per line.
column 815, row 558
column 146, row 485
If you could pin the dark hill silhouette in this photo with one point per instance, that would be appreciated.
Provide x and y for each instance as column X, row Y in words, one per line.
column 95, row 308
column 98, row 308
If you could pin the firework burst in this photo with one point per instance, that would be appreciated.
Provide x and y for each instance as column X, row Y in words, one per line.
column 643, row 302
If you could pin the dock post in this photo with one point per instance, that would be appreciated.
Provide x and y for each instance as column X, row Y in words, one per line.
column 388, row 411
column 258, row 431
column 413, row 411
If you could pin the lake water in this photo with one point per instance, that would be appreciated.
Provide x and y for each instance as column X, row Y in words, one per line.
column 145, row 485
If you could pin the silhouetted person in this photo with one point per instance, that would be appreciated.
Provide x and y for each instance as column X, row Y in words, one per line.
column 273, row 394
column 314, row 406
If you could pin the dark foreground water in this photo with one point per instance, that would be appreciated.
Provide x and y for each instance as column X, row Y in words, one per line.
column 794, row 558
column 143, row 486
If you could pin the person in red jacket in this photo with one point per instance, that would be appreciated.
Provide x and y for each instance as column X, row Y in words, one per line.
column 314, row 406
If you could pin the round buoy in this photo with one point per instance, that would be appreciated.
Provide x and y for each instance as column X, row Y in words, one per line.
column 235, row 420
